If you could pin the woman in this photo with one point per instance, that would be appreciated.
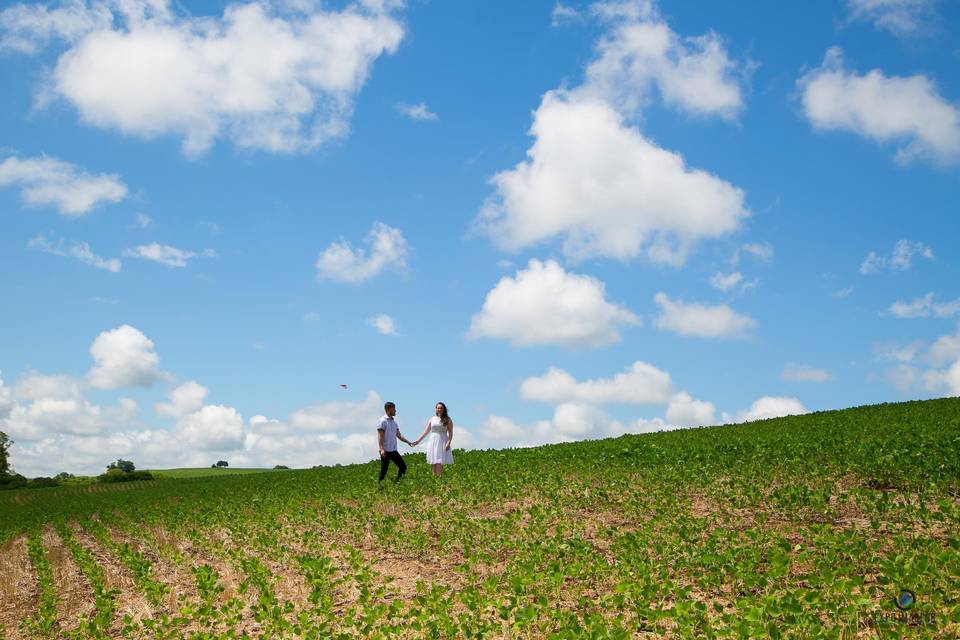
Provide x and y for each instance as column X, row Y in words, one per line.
column 440, row 428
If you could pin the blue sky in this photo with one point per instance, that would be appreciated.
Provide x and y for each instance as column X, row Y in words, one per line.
column 565, row 220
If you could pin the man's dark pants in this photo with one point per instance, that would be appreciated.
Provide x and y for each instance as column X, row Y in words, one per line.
column 397, row 460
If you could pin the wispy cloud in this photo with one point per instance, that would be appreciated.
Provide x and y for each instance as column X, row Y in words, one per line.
column 900, row 259
column 79, row 250
column 49, row 181
column 166, row 254
column 902, row 18
column 759, row 251
column 562, row 14
column 734, row 281
column 925, row 307
column 418, row 111
column 803, row 373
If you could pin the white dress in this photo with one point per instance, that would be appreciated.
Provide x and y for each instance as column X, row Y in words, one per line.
column 437, row 453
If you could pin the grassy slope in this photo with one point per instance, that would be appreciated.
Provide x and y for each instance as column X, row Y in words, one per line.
column 805, row 526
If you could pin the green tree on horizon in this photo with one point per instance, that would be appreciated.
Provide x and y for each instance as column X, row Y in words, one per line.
column 123, row 465
column 5, row 443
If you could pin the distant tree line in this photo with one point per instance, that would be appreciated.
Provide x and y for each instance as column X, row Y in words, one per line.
column 123, row 471
column 119, row 471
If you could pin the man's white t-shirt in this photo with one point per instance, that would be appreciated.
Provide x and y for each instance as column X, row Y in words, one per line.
column 390, row 428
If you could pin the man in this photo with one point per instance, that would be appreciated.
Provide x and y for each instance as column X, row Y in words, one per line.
column 388, row 432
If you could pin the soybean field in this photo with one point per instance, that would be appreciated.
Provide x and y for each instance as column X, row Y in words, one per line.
column 841, row 524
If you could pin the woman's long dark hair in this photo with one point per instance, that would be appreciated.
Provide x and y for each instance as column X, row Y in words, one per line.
column 444, row 416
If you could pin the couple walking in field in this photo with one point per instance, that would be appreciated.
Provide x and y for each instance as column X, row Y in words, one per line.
column 438, row 432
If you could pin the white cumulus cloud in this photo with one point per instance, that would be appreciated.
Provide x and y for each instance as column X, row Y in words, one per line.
column 701, row 320
column 38, row 406
column 544, row 304
column 640, row 51
column 79, row 250
column 908, row 111
column 123, row 357
column 29, row 27
column 684, row 411
column 606, row 190
column 328, row 417
column 771, row 407
column 212, row 427
column 342, row 263
column 642, row 383
column 944, row 350
column 49, row 181
column 276, row 76
column 186, row 398
column 593, row 180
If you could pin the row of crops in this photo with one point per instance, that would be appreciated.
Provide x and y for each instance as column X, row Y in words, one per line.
column 800, row 527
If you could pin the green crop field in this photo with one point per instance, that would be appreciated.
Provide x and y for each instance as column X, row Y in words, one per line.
column 800, row 527
column 200, row 472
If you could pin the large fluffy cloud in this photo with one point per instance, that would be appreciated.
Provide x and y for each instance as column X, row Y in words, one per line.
column 581, row 420
column 642, row 383
column 40, row 405
column 771, row 407
column 212, row 427
column 684, row 411
column 701, row 320
column 123, row 357
column 933, row 369
column 278, row 76
column 327, row 417
column 640, row 51
column 606, row 190
column 186, row 398
column 6, row 399
column 908, row 111
column 593, row 180
column 49, row 181
column 57, row 428
column 945, row 349
column 386, row 247
column 544, row 304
